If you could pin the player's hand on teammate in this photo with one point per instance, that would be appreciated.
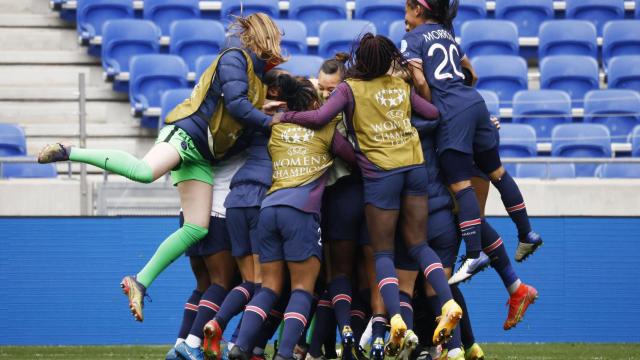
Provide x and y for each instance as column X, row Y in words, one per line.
column 271, row 107
column 495, row 121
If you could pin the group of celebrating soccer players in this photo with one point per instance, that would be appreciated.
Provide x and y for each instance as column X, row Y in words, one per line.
column 331, row 198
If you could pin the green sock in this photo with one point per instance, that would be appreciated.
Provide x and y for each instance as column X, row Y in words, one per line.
column 116, row 161
column 170, row 249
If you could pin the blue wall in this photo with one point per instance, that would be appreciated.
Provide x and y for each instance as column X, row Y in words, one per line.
column 59, row 282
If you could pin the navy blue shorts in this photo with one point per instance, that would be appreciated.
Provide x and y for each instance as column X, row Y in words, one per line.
column 217, row 239
column 468, row 132
column 386, row 192
column 243, row 230
column 443, row 239
column 288, row 234
column 343, row 210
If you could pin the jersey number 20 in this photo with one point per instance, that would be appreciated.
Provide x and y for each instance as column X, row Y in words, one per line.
column 448, row 58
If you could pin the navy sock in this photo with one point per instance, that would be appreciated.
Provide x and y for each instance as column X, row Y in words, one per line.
column 466, row 331
column 358, row 317
column 514, row 203
column 435, row 310
column 455, row 341
column 330, row 339
column 254, row 316
column 324, row 313
column 207, row 308
column 378, row 326
column 365, row 296
column 469, row 221
column 235, row 302
column 432, row 269
column 236, row 332
column 387, row 282
column 295, row 321
column 494, row 248
column 189, row 315
column 340, row 291
column 272, row 323
column 406, row 309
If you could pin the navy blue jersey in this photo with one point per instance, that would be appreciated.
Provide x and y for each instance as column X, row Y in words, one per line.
column 436, row 47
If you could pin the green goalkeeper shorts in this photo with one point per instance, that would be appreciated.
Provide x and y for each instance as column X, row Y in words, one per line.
column 193, row 166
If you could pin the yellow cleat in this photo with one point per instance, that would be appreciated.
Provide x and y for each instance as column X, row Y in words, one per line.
column 447, row 322
column 474, row 353
column 398, row 330
column 135, row 292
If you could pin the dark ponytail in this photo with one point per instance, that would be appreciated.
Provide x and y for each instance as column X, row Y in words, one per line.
column 374, row 56
column 337, row 65
column 297, row 92
column 441, row 11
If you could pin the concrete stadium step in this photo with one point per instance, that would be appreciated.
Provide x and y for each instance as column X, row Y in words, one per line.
column 48, row 20
column 24, row 7
column 37, row 39
column 60, row 112
column 59, row 93
column 77, row 56
column 50, row 75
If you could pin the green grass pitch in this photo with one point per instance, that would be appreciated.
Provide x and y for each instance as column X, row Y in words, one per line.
column 493, row 351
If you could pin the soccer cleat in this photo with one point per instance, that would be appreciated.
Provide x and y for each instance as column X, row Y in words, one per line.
column 469, row 268
column 409, row 344
column 211, row 342
column 136, row 293
column 445, row 355
column 377, row 349
column 424, row 354
column 172, row 355
column 474, row 353
column 238, row 354
column 447, row 322
column 518, row 303
column 186, row 352
column 258, row 357
column 527, row 246
column 359, row 353
column 54, row 152
column 398, row 330
column 311, row 357
column 348, row 344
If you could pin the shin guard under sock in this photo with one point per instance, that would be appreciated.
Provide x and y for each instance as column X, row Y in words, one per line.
column 235, row 302
column 469, row 221
column 340, row 292
column 116, row 161
column 406, row 309
column 207, row 308
column 514, row 203
column 254, row 316
column 189, row 315
column 324, row 313
column 494, row 248
column 295, row 321
column 378, row 327
column 387, row 282
column 358, row 317
column 432, row 269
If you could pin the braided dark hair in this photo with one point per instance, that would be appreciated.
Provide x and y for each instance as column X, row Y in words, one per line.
column 298, row 92
column 374, row 56
column 442, row 11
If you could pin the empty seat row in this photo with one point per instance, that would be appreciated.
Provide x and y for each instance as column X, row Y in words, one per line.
column 506, row 75
column 568, row 170
column 13, row 143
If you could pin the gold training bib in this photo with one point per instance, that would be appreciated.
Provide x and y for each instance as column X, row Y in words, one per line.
column 382, row 122
column 299, row 155
column 224, row 130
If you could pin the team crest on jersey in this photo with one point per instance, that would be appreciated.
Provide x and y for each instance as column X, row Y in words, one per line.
column 297, row 135
column 390, row 97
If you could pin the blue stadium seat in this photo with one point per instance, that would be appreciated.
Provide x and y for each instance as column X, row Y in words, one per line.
column 172, row 98
column 492, row 100
column 637, row 9
column 546, row 171
column 574, row 74
column 294, row 38
column 542, row 109
column 202, row 63
column 303, row 65
column 381, row 12
column 517, row 141
column 619, row 110
column 624, row 72
column 526, row 14
column 489, row 37
column 469, row 10
column 341, row 35
column 579, row 141
column 152, row 75
column 568, row 37
column 92, row 14
column 28, row 170
column 12, row 140
column 634, row 139
column 620, row 38
column 164, row 12
column 123, row 39
column 598, row 12
column 619, row 171
column 504, row 75
column 193, row 38
column 397, row 31
column 248, row 7
column 315, row 12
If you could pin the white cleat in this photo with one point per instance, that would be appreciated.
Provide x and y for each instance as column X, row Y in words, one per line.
column 469, row 268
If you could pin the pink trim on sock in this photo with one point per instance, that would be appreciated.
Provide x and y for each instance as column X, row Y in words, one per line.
column 192, row 307
column 296, row 316
column 493, row 246
column 466, row 224
column 257, row 310
column 341, row 297
column 516, row 208
column 387, row 281
column 325, row 303
column 209, row 305
column 357, row 313
column 430, row 268
column 276, row 314
column 244, row 291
